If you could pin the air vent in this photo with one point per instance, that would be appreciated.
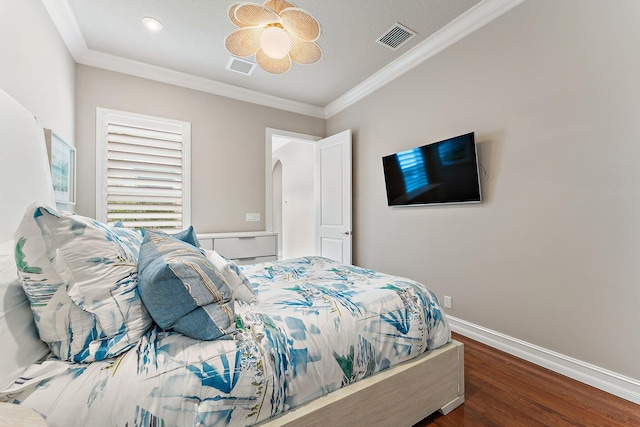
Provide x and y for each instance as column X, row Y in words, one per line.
column 396, row 36
column 241, row 66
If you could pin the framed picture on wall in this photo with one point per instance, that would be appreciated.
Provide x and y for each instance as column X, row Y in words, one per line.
column 62, row 158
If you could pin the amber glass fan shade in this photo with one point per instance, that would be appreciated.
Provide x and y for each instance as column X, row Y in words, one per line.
column 277, row 16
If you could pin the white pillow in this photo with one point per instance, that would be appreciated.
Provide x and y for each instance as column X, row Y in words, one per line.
column 81, row 278
column 20, row 343
column 55, row 314
column 240, row 286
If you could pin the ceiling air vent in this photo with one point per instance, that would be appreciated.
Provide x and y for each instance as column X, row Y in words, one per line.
column 396, row 36
column 241, row 66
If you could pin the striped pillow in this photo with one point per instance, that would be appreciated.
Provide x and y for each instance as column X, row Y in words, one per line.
column 182, row 290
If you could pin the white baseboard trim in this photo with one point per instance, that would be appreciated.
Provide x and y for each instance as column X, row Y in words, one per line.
column 603, row 379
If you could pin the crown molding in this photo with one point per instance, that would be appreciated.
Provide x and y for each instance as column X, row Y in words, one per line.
column 62, row 17
column 476, row 17
column 60, row 13
column 139, row 69
column 484, row 12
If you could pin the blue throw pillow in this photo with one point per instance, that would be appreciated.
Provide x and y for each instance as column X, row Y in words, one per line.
column 187, row 235
column 182, row 290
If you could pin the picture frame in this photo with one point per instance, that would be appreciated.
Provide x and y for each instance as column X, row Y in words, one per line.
column 62, row 160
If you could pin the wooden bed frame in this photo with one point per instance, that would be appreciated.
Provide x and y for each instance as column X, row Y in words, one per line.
column 401, row 395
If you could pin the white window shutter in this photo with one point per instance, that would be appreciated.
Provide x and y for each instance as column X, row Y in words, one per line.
column 143, row 168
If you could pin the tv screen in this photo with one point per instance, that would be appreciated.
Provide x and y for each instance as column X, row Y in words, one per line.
column 442, row 172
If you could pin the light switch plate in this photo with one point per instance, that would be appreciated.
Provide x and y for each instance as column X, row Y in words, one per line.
column 447, row 301
column 253, row 216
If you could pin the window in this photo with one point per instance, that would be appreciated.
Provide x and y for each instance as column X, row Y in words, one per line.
column 143, row 170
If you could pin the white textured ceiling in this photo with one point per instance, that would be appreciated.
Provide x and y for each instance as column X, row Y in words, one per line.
column 190, row 49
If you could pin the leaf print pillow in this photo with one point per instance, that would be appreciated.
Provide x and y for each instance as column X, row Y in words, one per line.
column 81, row 279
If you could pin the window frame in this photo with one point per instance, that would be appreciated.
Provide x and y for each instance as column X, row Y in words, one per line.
column 104, row 117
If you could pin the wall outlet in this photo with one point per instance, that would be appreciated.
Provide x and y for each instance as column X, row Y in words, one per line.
column 253, row 217
column 447, row 301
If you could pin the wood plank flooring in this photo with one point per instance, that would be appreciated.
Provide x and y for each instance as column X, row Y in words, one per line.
column 503, row 390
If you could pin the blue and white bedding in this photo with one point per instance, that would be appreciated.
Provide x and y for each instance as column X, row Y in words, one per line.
column 316, row 326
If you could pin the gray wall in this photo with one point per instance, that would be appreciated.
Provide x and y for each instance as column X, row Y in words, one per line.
column 228, row 143
column 35, row 65
column 551, row 256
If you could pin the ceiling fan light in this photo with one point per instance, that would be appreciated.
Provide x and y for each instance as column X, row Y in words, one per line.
column 277, row 32
column 278, row 5
column 275, row 42
column 253, row 15
column 244, row 42
column 274, row 66
column 305, row 53
column 232, row 15
column 301, row 24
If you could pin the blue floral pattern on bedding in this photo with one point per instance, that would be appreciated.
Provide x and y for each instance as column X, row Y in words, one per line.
column 317, row 326
column 81, row 279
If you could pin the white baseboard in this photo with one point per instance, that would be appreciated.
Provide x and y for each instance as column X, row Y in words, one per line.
column 603, row 379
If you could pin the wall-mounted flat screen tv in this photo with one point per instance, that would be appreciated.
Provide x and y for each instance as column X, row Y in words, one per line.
column 437, row 173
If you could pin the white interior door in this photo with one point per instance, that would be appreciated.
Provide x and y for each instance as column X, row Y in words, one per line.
column 333, row 196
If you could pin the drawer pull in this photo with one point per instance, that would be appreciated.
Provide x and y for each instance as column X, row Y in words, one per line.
column 246, row 237
column 248, row 258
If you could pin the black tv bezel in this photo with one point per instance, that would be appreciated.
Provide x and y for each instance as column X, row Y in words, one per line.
column 436, row 203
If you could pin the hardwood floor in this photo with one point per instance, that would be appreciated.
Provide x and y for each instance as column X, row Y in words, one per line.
column 503, row 390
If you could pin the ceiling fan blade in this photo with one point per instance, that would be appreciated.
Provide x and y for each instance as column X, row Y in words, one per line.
column 278, row 5
column 304, row 52
column 301, row 24
column 275, row 66
column 251, row 14
column 232, row 14
column 244, row 42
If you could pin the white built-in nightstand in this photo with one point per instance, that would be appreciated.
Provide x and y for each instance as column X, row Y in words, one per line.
column 247, row 247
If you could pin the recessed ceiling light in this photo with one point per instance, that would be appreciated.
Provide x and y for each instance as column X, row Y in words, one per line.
column 152, row 24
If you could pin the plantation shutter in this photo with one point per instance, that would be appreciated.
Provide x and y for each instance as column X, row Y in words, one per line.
column 146, row 171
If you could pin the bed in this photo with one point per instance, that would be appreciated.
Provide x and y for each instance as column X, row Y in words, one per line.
column 306, row 341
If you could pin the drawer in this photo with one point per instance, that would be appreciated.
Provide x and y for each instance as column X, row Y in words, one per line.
column 206, row 243
column 254, row 260
column 246, row 247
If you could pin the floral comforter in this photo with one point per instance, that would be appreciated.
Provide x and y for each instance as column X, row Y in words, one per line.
column 318, row 326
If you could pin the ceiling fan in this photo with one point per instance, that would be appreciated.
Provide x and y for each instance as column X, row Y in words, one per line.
column 276, row 32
